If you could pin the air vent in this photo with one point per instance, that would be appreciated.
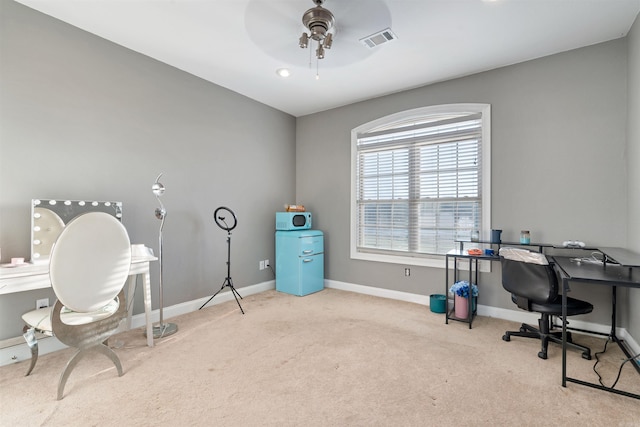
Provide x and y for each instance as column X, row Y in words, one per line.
column 376, row 39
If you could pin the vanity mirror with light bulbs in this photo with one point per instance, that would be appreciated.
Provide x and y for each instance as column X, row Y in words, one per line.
column 49, row 217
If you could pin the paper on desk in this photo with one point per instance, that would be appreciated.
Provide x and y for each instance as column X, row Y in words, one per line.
column 523, row 255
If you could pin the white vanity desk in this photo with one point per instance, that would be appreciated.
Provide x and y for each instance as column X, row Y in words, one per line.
column 36, row 276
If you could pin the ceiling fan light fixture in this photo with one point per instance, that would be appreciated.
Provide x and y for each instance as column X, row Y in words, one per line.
column 319, row 21
column 304, row 41
column 328, row 41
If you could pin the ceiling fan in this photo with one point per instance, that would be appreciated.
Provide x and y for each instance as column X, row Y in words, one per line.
column 319, row 21
column 275, row 27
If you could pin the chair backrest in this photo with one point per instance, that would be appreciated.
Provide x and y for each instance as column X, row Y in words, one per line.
column 90, row 261
column 529, row 276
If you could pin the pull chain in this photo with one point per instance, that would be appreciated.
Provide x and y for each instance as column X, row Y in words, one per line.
column 318, row 64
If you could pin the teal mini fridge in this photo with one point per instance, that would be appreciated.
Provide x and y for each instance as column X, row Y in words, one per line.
column 299, row 261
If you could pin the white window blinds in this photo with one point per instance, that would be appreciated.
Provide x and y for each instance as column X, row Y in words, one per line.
column 419, row 184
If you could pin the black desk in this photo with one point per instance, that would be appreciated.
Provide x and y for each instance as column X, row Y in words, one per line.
column 461, row 253
column 609, row 275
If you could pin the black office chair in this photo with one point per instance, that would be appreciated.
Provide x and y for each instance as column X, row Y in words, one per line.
column 533, row 284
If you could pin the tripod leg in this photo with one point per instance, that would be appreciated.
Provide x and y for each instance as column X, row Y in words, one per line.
column 202, row 306
column 227, row 282
column 236, row 297
column 221, row 288
column 233, row 288
column 235, row 293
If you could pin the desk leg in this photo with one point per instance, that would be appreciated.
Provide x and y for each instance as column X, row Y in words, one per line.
column 147, row 307
column 470, row 299
column 446, row 290
column 614, row 306
column 613, row 335
column 131, row 290
column 565, row 378
column 565, row 287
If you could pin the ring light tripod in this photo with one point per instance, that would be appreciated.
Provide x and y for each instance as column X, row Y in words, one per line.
column 227, row 282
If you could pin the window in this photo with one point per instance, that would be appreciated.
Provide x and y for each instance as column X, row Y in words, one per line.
column 420, row 180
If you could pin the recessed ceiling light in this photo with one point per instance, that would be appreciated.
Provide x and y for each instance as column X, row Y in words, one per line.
column 283, row 72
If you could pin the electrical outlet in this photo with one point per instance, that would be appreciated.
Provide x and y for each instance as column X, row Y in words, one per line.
column 407, row 272
column 42, row 303
column 266, row 263
column 261, row 265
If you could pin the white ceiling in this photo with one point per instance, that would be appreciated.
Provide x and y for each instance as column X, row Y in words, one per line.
column 239, row 44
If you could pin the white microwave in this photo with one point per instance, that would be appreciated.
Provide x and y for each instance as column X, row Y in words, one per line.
column 293, row 220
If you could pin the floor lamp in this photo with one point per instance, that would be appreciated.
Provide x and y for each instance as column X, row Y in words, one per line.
column 162, row 329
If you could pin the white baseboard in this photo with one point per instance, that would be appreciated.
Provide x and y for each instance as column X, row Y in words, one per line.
column 191, row 306
column 19, row 352
column 519, row 316
column 378, row 292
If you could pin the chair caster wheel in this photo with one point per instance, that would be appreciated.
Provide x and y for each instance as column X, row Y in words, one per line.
column 586, row 356
column 506, row 338
column 542, row 355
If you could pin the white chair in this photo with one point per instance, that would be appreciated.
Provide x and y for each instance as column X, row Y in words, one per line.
column 88, row 268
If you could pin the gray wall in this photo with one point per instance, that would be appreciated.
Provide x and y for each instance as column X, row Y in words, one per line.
column 558, row 162
column 633, row 160
column 83, row 118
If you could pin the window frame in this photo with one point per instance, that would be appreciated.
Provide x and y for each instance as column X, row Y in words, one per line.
column 437, row 261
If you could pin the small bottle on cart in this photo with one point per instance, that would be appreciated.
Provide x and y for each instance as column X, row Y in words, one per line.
column 525, row 237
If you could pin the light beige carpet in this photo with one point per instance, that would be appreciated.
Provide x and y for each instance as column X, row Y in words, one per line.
column 333, row 358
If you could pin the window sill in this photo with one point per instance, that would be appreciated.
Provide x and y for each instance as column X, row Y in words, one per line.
column 435, row 262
